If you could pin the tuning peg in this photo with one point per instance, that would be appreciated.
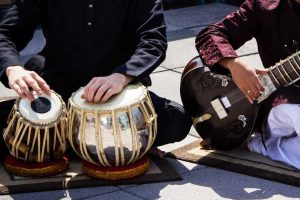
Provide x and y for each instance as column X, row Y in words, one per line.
column 296, row 45
column 287, row 49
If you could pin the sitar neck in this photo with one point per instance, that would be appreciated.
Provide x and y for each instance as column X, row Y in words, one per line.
column 281, row 74
column 286, row 71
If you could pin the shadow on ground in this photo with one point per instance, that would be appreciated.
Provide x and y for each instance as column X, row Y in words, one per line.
column 199, row 181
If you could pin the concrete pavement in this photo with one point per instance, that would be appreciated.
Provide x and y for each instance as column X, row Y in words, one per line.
column 199, row 182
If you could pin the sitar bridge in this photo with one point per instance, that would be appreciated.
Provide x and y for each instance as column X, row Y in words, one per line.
column 219, row 108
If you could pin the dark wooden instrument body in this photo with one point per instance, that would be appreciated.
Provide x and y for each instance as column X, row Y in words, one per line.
column 200, row 86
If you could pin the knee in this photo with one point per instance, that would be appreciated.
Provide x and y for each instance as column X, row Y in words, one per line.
column 176, row 128
column 181, row 125
column 35, row 63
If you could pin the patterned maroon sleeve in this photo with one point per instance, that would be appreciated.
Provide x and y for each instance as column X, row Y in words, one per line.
column 220, row 40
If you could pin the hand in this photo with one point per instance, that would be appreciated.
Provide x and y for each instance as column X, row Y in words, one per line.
column 100, row 89
column 245, row 77
column 21, row 80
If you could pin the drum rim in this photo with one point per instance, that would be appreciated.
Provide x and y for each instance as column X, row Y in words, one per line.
column 62, row 115
column 124, row 107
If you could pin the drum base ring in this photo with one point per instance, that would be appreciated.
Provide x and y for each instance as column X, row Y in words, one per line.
column 116, row 173
column 21, row 168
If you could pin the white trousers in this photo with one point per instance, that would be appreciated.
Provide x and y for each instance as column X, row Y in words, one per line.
column 282, row 139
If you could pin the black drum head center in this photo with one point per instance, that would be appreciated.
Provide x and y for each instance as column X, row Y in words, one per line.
column 41, row 105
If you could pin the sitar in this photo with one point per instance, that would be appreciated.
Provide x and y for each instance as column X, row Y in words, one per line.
column 221, row 113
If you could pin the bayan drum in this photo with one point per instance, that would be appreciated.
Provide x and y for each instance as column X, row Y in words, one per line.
column 114, row 136
column 36, row 136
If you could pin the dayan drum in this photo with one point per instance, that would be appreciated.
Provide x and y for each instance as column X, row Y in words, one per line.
column 113, row 137
column 36, row 136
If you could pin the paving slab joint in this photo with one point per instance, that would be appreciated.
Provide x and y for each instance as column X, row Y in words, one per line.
column 99, row 195
column 131, row 193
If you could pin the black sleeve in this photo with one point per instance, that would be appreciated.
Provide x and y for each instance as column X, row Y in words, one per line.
column 16, row 30
column 150, row 39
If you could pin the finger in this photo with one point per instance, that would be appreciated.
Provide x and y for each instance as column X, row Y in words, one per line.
column 100, row 92
column 255, row 93
column 109, row 93
column 251, row 85
column 17, row 89
column 260, row 89
column 247, row 95
column 249, row 99
column 86, row 88
column 92, row 91
column 259, row 86
column 25, row 89
column 46, row 88
column 261, row 71
column 42, row 84
column 251, row 95
column 33, row 84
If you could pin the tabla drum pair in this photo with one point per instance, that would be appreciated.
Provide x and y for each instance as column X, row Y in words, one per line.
column 36, row 136
column 113, row 137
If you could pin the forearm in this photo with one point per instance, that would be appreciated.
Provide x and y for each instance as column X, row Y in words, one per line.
column 9, row 55
column 16, row 30
column 230, row 63
column 150, row 39
column 8, row 61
